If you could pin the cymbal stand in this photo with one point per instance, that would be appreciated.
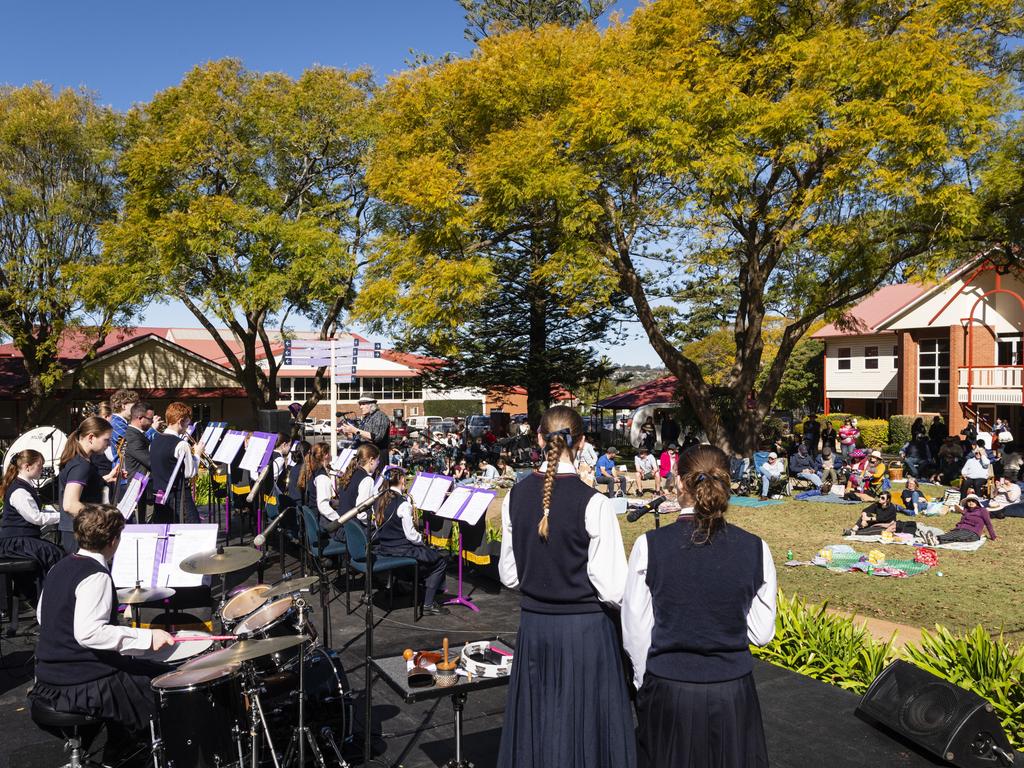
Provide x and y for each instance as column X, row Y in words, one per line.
column 257, row 721
column 301, row 734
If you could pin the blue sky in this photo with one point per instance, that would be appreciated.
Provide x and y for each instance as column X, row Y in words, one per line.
column 127, row 51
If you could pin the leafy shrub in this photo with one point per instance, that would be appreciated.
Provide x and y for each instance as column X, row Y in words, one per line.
column 202, row 486
column 874, row 433
column 830, row 648
column 451, row 408
column 980, row 663
column 899, row 430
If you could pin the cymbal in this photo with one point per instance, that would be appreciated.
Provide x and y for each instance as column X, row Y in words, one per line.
column 222, row 560
column 290, row 586
column 136, row 595
column 246, row 650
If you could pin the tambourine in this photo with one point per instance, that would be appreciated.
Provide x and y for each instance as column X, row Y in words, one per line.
column 482, row 659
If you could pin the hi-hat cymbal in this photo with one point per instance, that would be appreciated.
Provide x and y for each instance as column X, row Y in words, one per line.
column 137, row 595
column 245, row 650
column 222, row 560
column 291, row 586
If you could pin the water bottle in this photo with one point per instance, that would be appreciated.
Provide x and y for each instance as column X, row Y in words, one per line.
column 789, row 554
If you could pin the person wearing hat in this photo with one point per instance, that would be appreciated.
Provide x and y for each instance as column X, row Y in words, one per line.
column 374, row 426
column 973, row 523
column 605, row 473
column 646, row 466
column 771, row 472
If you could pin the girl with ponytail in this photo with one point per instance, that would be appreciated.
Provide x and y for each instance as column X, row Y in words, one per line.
column 317, row 488
column 356, row 483
column 397, row 536
column 698, row 593
column 561, row 546
column 79, row 481
column 22, row 518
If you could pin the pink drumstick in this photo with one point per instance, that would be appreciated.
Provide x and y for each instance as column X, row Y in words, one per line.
column 190, row 638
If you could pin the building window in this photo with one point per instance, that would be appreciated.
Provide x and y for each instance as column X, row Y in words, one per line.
column 933, row 368
column 393, row 388
column 871, row 358
column 1009, row 349
column 843, row 358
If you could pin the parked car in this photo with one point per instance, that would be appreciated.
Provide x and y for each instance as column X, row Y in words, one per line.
column 423, row 422
column 477, row 425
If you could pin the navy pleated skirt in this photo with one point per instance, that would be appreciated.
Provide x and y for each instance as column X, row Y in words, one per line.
column 700, row 725
column 45, row 553
column 124, row 697
column 567, row 702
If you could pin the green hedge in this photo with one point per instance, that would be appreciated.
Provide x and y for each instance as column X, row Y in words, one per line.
column 899, row 431
column 874, row 433
column 451, row 408
column 834, row 649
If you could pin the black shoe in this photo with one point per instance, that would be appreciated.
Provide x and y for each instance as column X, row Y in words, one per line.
column 435, row 610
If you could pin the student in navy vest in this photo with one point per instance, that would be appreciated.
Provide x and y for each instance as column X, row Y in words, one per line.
column 317, row 487
column 292, row 490
column 168, row 449
column 79, row 482
column 23, row 517
column 561, row 546
column 355, row 484
column 80, row 668
column 699, row 592
column 397, row 536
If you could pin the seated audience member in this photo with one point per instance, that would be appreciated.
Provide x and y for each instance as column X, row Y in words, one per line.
column 914, row 500
column 829, row 465
column 646, row 465
column 974, row 521
column 868, row 476
column 505, row 470
column 951, row 459
column 771, row 473
column 23, row 516
column 487, row 470
column 606, row 473
column 586, row 462
column 975, row 471
column 803, row 465
column 880, row 516
column 917, row 456
column 460, row 471
column 667, row 466
column 1007, row 493
column 79, row 664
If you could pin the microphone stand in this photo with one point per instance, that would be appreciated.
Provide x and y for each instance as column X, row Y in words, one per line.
column 368, row 760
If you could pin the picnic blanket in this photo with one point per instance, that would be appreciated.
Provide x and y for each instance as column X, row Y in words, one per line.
column 750, row 501
column 912, row 541
column 825, row 498
column 845, row 559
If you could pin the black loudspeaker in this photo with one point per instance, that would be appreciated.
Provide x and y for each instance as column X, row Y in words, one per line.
column 957, row 725
column 274, row 421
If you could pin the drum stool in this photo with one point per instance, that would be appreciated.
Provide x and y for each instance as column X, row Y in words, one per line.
column 67, row 725
column 11, row 567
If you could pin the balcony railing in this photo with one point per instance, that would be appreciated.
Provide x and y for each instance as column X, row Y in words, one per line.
column 991, row 384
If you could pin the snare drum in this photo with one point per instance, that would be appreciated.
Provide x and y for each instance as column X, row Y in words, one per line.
column 277, row 619
column 201, row 717
column 177, row 654
column 243, row 602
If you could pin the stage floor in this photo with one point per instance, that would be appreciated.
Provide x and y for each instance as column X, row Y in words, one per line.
column 807, row 723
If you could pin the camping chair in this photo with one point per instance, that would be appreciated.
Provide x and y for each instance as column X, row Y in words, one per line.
column 780, row 486
column 355, row 538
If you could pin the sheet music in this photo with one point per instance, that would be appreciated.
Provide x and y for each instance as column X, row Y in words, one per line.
column 229, row 446
column 184, row 542
column 260, row 444
column 341, row 461
column 123, row 571
column 454, row 503
column 216, row 432
column 132, row 494
column 435, row 495
column 420, row 486
column 476, row 507
column 203, row 438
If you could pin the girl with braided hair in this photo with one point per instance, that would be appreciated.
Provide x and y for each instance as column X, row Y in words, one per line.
column 317, row 488
column 561, row 546
column 397, row 536
column 698, row 593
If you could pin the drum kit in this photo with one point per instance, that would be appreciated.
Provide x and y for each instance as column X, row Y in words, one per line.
column 271, row 680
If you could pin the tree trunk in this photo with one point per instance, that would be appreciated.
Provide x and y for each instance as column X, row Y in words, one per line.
column 538, row 374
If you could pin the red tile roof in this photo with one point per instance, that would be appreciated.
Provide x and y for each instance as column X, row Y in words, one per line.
column 866, row 316
column 661, row 390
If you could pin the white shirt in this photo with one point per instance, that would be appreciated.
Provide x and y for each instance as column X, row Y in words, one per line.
column 638, row 608
column 188, row 463
column 324, row 485
column 26, row 506
column 975, row 468
column 772, row 470
column 646, row 465
column 93, row 603
column 408, row 527
column 587, row 455
column 606, row 559
column 489, row 472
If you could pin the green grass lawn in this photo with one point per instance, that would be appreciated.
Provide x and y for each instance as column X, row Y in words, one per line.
column 984, row 587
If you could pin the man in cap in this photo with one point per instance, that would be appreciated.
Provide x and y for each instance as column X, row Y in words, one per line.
column 606, row 476
column 374, row 426
column 771, row 472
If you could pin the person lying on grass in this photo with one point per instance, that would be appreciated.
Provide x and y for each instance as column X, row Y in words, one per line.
column 880, row 516
column 975, row 519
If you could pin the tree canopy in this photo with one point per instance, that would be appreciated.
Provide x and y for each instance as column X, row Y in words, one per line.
column 244, row 194
column 57, row 187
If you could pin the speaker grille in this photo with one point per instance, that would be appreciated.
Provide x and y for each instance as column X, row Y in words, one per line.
column 930, row 709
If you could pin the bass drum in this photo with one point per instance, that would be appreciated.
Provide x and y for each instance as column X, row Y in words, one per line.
column 49, row 441
column 328, row 695
column 201, row 715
